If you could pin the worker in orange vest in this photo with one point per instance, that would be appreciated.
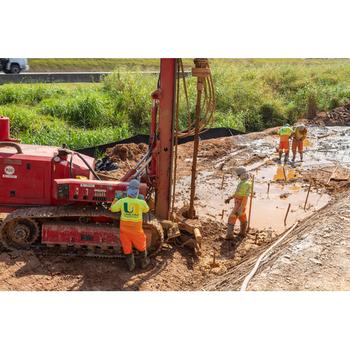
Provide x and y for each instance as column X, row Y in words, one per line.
column 131, row 233
column 241, row 198
column 298, row 137
column 284, row 133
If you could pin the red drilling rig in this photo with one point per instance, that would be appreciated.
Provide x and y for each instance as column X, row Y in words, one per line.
column 53, row 200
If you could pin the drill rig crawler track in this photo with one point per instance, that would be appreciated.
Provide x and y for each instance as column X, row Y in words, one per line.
column 22, row 229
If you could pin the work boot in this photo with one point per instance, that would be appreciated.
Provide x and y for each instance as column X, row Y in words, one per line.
column 301, row 157
column 145, row 260
column 243, row 229
column 293, row 159
column 130, row 261
column 229, row 232
column 286, row 158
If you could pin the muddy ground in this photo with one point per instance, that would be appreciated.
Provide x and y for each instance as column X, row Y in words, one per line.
column 317, row 250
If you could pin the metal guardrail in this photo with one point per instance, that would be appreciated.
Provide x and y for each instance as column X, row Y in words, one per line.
column 79, row 77
column 61, row 77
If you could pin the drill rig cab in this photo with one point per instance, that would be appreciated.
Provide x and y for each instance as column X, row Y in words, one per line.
column 54, row 200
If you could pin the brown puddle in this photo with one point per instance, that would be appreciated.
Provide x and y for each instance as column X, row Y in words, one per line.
column 268, row 209
column 326, row 146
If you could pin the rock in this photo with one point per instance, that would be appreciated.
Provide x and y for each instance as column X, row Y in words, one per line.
column 316, row 261
column 247, row 247
column 5, row 257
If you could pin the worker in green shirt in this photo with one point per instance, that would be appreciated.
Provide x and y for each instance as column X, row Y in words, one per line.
column 241, row 199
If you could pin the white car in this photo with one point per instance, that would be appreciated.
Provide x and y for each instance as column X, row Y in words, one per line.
column 13, row 65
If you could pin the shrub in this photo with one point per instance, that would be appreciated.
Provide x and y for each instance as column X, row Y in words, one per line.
column 250, row 95
column 28, row 94
column 35, row 128
column 131, row 96
column 271, row 116
column 85, row 110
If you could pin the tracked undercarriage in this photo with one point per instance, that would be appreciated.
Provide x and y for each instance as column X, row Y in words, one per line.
column 72, row 231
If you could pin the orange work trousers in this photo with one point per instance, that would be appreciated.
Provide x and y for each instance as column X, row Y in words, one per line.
column 239, row 211
column 297, row 144
column 284, row 146
column 131, row 234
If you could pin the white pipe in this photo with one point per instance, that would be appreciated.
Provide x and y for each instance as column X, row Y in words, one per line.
column 261, row 257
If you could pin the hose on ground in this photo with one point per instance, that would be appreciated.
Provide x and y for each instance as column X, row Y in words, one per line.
column 262, row 256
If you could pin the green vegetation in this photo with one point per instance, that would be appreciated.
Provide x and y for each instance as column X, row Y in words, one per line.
column 251, row 95
column 90, row 64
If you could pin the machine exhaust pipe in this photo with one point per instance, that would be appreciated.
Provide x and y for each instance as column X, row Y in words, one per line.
column 5, row 130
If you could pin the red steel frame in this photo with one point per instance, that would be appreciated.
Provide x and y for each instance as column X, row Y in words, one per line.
column 167, row 102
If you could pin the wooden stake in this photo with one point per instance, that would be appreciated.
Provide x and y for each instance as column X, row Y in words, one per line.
column 214, row 263
column 268, row 188
column 284, row 173
column 285, row 218
column 223, row 213
column 307, row 196
column 250, row 204
column 222, row 182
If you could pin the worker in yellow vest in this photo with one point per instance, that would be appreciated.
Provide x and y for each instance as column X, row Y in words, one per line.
column 239, row 210
column 299, row 135
column 284, row 133
column 131, row 233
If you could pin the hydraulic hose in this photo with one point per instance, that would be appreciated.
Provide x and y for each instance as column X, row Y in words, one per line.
column 88, row 165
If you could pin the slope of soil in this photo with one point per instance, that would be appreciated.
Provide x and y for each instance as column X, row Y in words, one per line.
column 314, row 256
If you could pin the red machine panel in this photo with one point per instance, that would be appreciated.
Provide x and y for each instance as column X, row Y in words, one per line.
column 75, row 190
column 27, row 172
column 81, row 234
column 24, row 180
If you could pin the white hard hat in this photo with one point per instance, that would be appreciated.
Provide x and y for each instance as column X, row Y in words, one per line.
column 240, row 171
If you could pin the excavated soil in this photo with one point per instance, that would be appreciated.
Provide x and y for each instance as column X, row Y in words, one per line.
column 223, row 264
column 339, row 116
column 126, row 156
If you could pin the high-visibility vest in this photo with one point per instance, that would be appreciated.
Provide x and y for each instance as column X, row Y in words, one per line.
column 243, row 189
column 131, row 209
column 285, row 131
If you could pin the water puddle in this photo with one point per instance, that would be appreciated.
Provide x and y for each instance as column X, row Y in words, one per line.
column 272, row 196
column 276, row 186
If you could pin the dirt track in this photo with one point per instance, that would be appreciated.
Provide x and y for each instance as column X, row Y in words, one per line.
column 177, row 268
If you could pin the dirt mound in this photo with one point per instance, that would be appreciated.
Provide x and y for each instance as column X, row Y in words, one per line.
column 125, row 152
column 333, row 178
column 126, row 156
column 339, row 116
column 215, row 148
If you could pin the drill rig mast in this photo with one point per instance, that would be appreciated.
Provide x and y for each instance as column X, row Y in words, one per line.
column 54, row 199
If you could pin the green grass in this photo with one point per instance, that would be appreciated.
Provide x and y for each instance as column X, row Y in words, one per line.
column 252, row 94
column 90, row 64
column 145, row 64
